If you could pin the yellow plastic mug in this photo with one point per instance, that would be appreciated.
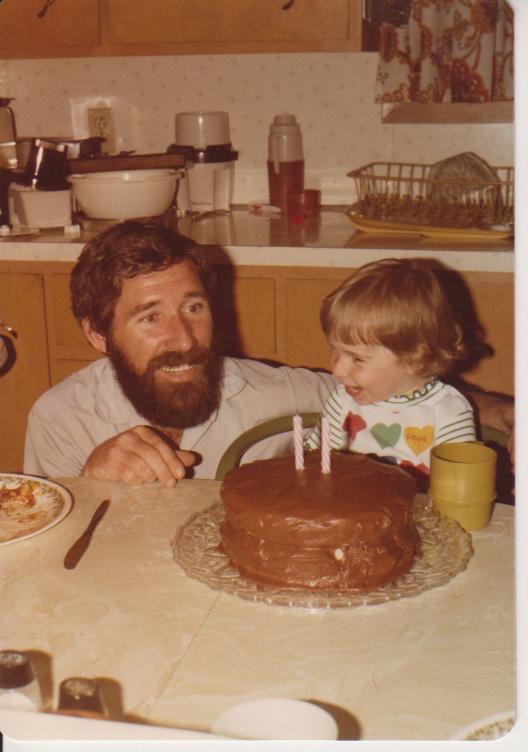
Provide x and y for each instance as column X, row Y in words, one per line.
column 463, row 482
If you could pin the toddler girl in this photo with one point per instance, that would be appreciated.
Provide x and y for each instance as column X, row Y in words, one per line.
column 393, row 333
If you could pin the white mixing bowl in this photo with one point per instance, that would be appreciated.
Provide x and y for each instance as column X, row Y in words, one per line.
column 125, row 194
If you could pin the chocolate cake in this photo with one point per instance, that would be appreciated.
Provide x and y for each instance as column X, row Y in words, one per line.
column 352, row 528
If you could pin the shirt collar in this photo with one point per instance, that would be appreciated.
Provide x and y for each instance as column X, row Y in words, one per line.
column 423, row 391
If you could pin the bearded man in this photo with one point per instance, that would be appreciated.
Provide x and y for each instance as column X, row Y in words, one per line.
column 163, row 403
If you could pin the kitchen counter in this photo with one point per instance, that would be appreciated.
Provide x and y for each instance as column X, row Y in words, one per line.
column 171, row 651
column 243, row 238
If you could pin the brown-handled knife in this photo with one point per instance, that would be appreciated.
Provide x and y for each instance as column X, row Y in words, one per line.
column 75, row 553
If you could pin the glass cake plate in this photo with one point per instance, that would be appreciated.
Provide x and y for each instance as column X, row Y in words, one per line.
column 445, row 549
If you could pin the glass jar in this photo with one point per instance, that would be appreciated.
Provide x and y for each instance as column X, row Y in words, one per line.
column 19, row 687
column 81, row 696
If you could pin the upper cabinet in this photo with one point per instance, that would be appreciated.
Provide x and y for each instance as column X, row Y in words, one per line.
column 233, row 25
column 48, row 28
column 75, row 28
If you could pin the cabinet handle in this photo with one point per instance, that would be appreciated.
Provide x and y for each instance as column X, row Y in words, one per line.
column 42, row 12
column 4, row 353
column 7, row 328
column 7, row 354
column 288, row 5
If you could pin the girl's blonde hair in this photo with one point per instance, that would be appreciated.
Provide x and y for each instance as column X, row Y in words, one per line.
column 399, row 304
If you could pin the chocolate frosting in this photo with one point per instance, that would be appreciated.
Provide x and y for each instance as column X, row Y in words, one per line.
column 350, row 529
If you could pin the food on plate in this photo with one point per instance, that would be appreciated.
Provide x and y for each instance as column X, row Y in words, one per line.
column 352, row 528
column 29, row 505
column 23, row 493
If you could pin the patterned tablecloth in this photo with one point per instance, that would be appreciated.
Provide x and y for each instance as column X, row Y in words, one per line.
column 171, row 651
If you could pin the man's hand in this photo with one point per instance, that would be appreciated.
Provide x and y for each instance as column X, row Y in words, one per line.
column 138, row 455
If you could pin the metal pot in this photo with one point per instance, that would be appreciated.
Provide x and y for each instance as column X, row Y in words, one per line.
column 77, row 148
column 46, row 166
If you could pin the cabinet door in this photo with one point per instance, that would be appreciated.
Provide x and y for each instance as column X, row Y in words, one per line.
column 26, row 374
column 62, row 24
column 159, row 21
column 493, row 298
column 244, row 311
column 306, row 344
column 68, row 348
column 485, row 298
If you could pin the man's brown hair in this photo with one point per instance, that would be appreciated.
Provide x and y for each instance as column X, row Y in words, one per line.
column 121, row 252
column 399, row 304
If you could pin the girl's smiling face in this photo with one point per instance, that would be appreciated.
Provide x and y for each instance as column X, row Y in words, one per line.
column 372, row 373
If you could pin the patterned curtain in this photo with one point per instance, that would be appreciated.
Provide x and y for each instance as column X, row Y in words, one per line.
column 449, row 51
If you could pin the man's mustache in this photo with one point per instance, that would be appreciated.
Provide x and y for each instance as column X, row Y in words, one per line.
column 174, row 358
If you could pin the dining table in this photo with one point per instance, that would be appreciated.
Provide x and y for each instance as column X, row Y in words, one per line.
column 170, row 650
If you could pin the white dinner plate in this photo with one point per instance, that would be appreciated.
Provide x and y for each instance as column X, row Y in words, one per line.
column 44, row 505
column 276, row 718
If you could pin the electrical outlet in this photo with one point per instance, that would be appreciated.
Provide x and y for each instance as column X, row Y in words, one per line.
column 101, row 123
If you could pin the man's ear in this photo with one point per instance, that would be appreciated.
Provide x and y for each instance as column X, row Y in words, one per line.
column 94, row 338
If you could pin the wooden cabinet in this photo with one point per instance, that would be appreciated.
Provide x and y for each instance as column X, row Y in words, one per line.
column 68, row 348
column 63, row 28
column 265, row 312
column 488, row 302
column 80, row 28
column 26, row 374
column 234, row 25
column 274, row 315
column 493, row 297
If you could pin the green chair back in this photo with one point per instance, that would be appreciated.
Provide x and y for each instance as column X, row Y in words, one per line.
column 281, row 424
column 491, row 435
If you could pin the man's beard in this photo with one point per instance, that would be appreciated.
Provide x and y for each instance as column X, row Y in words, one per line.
column 168, row 404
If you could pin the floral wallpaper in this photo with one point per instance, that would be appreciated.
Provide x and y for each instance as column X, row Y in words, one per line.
column 332, row 96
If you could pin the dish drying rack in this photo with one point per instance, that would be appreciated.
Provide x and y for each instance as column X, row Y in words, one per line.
column 403, row 197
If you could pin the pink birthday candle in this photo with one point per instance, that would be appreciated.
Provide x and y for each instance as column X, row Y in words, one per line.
column 325, row 445
column 298, row 442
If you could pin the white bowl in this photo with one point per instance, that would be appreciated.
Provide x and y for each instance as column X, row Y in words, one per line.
column 276, row 718
column 125, row 194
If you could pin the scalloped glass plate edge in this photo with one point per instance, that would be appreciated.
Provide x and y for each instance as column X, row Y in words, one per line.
column 445, row 551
